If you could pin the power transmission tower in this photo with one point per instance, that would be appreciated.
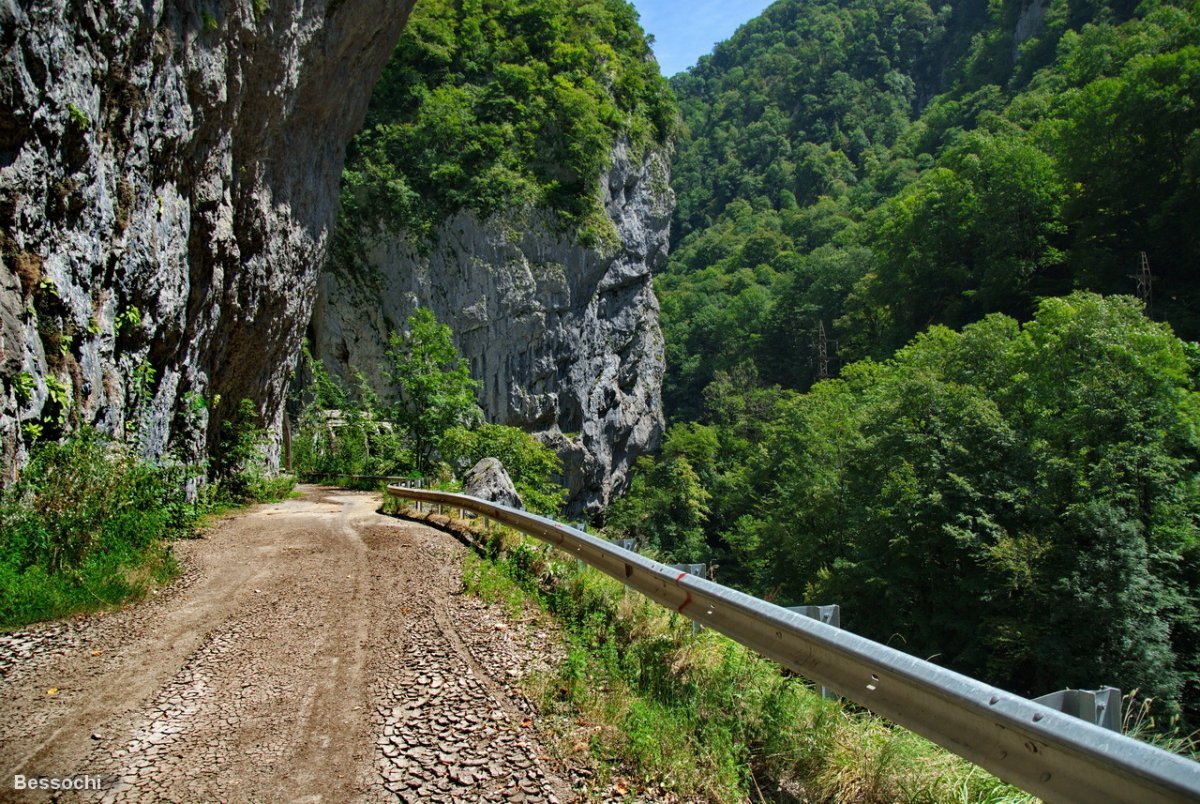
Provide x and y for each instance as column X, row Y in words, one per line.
column 822, row 352
column 1145, row 282
column 826, row 349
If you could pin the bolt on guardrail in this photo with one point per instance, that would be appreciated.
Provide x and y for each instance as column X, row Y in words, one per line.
column 1048, row 753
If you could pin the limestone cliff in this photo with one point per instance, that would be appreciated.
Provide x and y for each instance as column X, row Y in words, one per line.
column 563, row 338
column 168, row 179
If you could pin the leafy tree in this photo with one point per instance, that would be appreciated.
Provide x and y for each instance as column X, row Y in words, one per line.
column 976, row 234
column 1129, row 147
column 238, row 463
column 434, row 389
column 1108, row 402
column 665, row 510
column 435, row 421
column 806, row 443
column 343, row 432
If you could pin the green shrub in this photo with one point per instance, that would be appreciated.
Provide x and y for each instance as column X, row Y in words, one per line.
column 78, row 118
column 87, row 525
column 239, row 469
column 343, row 433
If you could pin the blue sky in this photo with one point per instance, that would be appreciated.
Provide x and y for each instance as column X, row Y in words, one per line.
column 684, row 30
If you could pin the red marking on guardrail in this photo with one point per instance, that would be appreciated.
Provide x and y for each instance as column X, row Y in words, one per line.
column 680, row 578
column 686, row 602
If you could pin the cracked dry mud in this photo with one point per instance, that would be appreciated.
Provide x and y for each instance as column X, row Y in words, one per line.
column 314, row 650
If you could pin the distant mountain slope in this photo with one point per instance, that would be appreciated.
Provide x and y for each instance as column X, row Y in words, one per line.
column 878, row 166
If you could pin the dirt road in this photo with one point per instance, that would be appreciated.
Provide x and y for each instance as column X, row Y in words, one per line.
column 313, row 651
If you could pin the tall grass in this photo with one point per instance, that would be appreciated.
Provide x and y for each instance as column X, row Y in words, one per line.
column 657, row 709
column 89, row 525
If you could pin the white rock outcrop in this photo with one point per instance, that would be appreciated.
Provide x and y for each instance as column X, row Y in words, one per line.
column 489, row 480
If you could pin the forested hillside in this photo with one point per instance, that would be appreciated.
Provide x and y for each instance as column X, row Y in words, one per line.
column 1013, row 492
column 881, row 166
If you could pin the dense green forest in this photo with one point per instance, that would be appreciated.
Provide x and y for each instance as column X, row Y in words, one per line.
column 1003, row 476
column 879, row 166
column 1019, row 502
column 1002, row 473
column 494, row 104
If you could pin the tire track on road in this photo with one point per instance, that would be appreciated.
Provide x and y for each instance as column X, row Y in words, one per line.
column 315, row 651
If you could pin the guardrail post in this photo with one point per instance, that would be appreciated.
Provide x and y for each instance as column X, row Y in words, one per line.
column 581, row 526
column 830, row 615
column 698, row 571
column 1102, row 706
column 631, row 546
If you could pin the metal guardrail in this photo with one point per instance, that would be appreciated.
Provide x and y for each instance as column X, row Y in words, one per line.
column 348, row 476
column 1048, row 753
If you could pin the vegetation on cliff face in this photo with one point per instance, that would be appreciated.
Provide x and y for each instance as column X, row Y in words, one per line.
column 434, row 428
column 496, row 104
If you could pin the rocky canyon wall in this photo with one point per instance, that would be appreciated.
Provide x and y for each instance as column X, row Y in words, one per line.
column 563, row 339
column 168, row 180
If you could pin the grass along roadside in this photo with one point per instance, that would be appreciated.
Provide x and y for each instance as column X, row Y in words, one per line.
column 655, row 711
column 90, row 526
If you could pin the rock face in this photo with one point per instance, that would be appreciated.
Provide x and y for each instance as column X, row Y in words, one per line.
column 488, row 480
column 564, row 339
column 1029, row 24
column 168, row 179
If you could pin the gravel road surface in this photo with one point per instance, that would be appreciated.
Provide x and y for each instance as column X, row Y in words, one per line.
column 313, row 650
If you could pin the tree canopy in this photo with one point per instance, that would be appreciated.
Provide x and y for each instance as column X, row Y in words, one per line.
column 434, row 429
column 434, row 389
column 879, row 167
column 494, row 104
column 1019, row 502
